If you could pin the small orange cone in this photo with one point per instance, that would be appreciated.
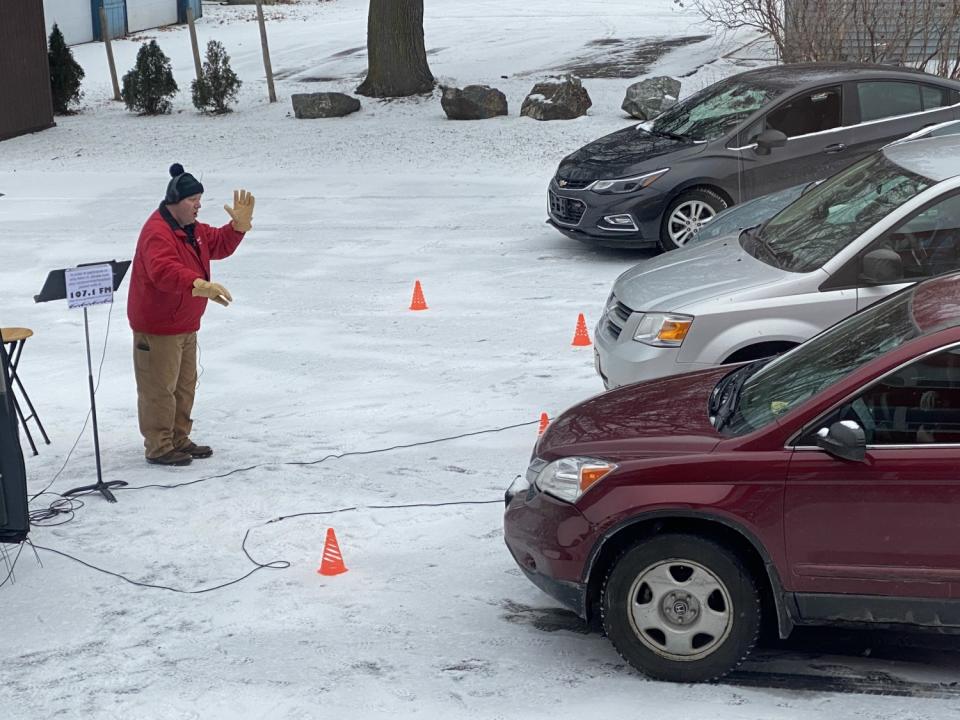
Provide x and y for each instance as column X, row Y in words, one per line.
column 581, row 338
column 544, row 421
column 332, row 562
column 418, row 302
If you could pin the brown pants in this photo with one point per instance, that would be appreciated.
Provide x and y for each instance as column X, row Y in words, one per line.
column 166, row 370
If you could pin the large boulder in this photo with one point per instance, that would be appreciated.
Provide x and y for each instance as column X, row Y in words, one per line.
column 323, row 105
column 562, row 99
column 648, row 98
column 474, row 102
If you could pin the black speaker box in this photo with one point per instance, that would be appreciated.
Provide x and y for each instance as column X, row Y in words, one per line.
column 14, row 519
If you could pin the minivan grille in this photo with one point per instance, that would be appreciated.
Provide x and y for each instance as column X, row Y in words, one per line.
column 617, row 316
column 622, row 311
column 566, row 210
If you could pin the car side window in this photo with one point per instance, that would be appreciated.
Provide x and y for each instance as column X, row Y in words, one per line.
column 917, row 405
column 928, row 242
column 885, row 99
column 934, row 97
column 808, row 113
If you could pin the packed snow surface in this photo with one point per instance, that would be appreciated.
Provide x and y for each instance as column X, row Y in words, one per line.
column 319, row 356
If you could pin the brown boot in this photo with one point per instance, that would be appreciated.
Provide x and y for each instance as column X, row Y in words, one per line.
column 174, row 457
column 197, row 452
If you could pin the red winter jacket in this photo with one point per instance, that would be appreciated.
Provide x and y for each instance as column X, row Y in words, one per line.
column 164, row 268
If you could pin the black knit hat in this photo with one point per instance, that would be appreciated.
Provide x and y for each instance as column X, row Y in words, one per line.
column 182, row 185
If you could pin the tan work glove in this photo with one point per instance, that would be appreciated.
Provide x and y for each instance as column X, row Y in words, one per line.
column 215, row 291
column 241, row 214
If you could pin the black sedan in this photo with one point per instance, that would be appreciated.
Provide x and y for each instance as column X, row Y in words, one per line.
column 754, row 133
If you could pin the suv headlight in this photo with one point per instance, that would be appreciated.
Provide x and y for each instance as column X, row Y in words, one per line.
column 663, row 329
column 570, row 477
column 626, row 185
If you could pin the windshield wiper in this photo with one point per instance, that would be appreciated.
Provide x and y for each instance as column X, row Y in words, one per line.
column 667, row 134
column 761, row 242
column 732, row 386
column 729, row 403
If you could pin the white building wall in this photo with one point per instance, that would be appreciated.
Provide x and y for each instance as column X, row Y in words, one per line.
column 144, row 14
column 74, row 19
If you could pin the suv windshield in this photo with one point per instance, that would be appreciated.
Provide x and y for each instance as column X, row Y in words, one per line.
column 712, row 111
column 820, row 362
column 818, row 225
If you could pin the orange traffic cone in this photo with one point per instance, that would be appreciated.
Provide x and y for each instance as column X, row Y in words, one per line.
column 418, row 302
column 332, row 562
column 581, row 337
column 544, row 421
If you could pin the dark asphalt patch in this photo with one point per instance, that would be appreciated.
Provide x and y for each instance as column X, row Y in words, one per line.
column 629, row 58
column 822, row 660
column 545, row 619
column 872, row 683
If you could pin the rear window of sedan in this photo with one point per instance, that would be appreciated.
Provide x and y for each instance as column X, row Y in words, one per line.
column 887, row 98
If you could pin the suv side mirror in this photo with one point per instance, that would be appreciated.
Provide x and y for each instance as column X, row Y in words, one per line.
column 769, row 139
column 845, row 440
column 881, row 266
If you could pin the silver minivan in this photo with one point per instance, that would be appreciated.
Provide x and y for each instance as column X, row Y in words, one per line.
column 885, row 222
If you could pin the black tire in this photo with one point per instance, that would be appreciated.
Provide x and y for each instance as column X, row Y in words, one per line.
column 710, row 637
column 707, row 200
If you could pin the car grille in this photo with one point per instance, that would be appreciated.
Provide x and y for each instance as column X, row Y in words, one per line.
column 617, row 317
column 572, row 184
column 622, row 311
column 566, row 210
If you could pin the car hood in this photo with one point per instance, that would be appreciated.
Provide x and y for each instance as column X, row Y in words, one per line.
column 674, row 280
column 624, row 153
column 666, row 416
column 749, row 214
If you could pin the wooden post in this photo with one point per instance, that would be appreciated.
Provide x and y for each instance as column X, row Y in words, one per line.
column 105, row 34
column 266, row 52
column 193, row 42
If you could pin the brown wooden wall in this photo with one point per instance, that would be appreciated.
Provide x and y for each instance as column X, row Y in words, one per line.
column 25, row 102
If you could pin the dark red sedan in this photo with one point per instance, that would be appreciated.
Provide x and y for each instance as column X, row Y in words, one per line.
column 822, row 487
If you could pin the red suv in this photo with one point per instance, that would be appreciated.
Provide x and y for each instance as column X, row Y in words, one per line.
column 822, row 487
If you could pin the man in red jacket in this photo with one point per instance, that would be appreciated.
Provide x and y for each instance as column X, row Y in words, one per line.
column 169, row 288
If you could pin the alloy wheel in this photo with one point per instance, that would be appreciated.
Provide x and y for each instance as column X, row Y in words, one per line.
column 686, row 219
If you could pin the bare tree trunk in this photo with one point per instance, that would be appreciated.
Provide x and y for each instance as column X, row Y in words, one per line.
column 396, row 56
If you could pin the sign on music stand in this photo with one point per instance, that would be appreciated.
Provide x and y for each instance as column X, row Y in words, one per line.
column 83, row 286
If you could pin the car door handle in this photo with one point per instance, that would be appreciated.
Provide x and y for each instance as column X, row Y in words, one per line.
column 835, row 148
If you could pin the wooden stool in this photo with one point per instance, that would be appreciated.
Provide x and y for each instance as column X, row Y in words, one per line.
column 15, row 338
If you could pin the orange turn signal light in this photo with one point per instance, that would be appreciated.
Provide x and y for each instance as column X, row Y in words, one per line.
column 591, row 474
column 674, row 331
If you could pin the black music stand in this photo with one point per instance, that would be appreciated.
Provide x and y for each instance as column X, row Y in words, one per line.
column 55, row 288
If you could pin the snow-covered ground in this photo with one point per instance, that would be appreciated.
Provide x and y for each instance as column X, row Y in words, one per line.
column 319, row 355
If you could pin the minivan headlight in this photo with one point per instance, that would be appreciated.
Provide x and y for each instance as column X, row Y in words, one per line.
column 570, row 477
column 626, row 185
column 663, row 329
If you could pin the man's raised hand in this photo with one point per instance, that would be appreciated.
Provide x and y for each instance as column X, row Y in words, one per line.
column 241, row 214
